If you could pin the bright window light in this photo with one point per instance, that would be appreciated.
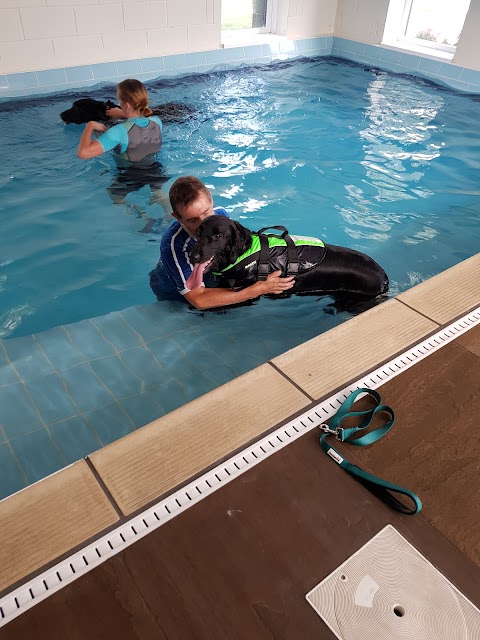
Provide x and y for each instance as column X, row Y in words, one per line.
column 244, row 14
column 434, row 23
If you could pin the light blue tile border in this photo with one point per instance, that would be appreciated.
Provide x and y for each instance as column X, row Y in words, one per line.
column 22, row 80
column 110, row 73
column 153, row 64
column 105, row 70
column 129, row 67
column 52, row 77
column 439, row 71
column 105, row 73
column 79, row 74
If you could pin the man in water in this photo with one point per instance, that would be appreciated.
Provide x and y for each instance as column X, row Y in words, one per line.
column 191, row 203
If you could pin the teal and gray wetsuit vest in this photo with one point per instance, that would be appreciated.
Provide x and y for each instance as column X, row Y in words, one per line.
column 143, row 142
column 289, row 254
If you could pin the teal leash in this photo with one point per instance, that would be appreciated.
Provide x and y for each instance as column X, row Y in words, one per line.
column 381, row 488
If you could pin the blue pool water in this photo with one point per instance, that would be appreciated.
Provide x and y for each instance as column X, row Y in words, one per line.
column 384, row 164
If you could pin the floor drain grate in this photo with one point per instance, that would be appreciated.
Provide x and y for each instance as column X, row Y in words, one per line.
column 389, row 590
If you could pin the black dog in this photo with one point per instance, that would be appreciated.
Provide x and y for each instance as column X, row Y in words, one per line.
column 87, row 109
column 342, row 273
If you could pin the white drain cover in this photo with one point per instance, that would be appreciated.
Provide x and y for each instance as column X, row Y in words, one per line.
column 389, row 591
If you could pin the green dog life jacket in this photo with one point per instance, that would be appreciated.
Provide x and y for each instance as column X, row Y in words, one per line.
column 244, row 271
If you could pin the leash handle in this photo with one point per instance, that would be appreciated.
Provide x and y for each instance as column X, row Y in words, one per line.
column 381, row 488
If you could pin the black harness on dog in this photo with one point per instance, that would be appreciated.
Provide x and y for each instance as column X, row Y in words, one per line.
column 291, row 265
column 271, row 252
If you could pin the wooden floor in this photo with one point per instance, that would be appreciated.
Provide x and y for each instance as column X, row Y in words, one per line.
column 239, row 563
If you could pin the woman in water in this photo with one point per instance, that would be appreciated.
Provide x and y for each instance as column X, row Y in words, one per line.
column 135, row 144
column 135, row 140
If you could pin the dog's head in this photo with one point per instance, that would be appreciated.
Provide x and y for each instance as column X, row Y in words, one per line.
column 220, row 242
column 86, row 109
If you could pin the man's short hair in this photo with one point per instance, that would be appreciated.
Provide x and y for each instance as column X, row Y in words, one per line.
column 186, row 190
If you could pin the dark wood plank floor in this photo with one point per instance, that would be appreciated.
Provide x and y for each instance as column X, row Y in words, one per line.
column 238, row 564
column 434, row 447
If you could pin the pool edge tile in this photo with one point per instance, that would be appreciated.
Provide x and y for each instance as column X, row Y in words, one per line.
column 157, row 457
column 325, row 362
column 449, row 294
column 31, row 520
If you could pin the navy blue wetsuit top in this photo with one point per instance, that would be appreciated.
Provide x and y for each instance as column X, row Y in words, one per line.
column 174, row 265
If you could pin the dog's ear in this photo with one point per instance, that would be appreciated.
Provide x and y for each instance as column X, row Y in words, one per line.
column 238, row 240
column 243, row 236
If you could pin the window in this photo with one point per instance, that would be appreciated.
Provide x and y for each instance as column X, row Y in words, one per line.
column 433, row 23
column 246, row 14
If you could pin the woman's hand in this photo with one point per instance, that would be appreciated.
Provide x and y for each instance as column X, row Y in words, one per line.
column 115, row 112
column 87, row 147
column 96, row 126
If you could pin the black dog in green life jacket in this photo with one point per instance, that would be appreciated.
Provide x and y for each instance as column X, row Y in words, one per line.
column 240, row 257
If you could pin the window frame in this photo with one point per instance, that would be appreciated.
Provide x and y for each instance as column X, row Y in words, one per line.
column 269, row 22
column 420, row 42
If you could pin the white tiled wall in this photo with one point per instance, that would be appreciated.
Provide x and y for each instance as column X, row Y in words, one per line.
column 47, row 22
column 51, row 34
column 10, row 26
column 172, row 38
column 40, row 35
column 311, row 18
column 468, row 48
column 362, row 20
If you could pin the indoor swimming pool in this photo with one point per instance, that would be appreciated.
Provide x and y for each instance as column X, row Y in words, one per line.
column 386, row 164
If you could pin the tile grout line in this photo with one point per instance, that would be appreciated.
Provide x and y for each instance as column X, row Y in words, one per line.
column 288, row 379
column 104, row 488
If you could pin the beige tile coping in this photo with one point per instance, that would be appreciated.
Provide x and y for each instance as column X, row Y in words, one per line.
column 48, row 519
column 344, row 353
column 448, row 295
column 146, row 464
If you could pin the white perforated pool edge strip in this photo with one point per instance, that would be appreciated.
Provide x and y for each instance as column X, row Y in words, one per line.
column 68, row 570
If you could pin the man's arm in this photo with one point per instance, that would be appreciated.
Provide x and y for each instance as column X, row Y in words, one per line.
column 208, row 298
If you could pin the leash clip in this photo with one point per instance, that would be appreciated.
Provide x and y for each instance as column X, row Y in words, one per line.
column 334, row 432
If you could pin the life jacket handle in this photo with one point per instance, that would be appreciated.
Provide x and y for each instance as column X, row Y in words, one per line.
column 264, row 258
column 279, row 227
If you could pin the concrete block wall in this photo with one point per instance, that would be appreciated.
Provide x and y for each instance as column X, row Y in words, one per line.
column 311, row 18
column 37, row 35
column 361, row 20
column 40, row 35
column 51, row 34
